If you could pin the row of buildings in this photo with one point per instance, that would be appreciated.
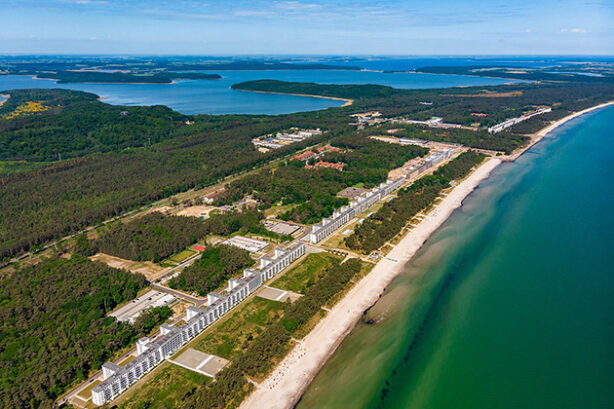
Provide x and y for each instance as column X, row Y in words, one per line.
column 343, row 215
column 430, row 161
column 513, row 121
column 281, row 139
column 150, row 353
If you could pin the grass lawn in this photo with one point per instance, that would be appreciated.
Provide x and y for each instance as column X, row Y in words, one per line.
column 302, row 276
column 232, row 335
column 279, row 209
column 182, row 256
column 127, row 360
column 86, row 393
column 168, row 386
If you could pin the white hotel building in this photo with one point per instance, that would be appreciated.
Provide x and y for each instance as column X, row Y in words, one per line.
column 343, row 215
column 150, row 353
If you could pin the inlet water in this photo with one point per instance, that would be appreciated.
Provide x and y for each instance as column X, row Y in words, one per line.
column 216, row 96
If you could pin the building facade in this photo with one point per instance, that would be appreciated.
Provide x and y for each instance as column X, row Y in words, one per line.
column 150, row 353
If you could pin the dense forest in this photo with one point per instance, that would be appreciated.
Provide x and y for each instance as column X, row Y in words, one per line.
column 72, row 124
column 388, row 221
column 311, row 88
column 456, row 105
column 61, row 198
column 54, row 329
column 214, row 268
column 45, row 203
column 152, row 237
column 313, row 191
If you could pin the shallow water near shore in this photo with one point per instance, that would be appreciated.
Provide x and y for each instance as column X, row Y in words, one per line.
column 509, row 304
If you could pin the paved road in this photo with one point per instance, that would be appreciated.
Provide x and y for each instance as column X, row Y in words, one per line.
column 179, row 294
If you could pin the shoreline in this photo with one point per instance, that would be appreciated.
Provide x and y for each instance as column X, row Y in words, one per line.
column 302, row 364
column 293, row 375
column 348, row 101
column 542, row 133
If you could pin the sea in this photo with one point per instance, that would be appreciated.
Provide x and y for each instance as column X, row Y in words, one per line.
column 509, row 304
column 216, row 96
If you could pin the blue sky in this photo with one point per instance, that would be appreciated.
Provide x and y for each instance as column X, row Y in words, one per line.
column 226, row 27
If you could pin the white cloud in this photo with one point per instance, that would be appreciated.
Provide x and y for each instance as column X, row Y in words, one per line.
column 573, row 31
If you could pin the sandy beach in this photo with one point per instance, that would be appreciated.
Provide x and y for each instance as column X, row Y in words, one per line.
column 348, row 101
column 284, row 387
column 6, row 97
column 286, row 384
column 545, row 131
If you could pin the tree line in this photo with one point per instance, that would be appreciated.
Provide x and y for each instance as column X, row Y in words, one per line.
column 42, row 204
column 151, row 237
column 213, row 269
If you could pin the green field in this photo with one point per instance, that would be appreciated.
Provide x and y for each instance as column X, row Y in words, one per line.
column 86, row 393
column 166, row 389
column 182, row 256
column 232, row 335
column 299, row 278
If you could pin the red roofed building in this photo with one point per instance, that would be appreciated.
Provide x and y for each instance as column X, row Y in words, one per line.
column 338, row 166
column 304, row 156
column 198, row 248
column 209, row 198
column 478, row 114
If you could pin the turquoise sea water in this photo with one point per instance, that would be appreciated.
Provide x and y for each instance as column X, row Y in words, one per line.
column 216, row 97
column 509, row 305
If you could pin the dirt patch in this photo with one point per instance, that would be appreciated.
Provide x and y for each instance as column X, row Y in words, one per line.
column 196, row 211
column 150, row 270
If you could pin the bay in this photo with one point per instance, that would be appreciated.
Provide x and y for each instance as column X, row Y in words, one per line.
column 216, row 97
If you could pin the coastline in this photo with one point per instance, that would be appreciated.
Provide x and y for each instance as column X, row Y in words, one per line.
column 287, row 383
column 542, row 133
column 348, row 101
column 302, row 364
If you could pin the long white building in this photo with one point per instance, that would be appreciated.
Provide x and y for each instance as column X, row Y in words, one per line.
column 513, row 121
column 343, row 215
column 150, row 353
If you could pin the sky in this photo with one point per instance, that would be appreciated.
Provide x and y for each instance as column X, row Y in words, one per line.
column 297, row 27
